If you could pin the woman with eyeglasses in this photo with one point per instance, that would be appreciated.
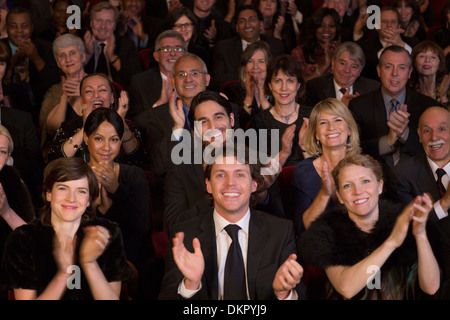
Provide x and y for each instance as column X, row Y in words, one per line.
column 184, row 21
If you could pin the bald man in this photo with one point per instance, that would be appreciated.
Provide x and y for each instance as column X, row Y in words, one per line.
column 419, row 174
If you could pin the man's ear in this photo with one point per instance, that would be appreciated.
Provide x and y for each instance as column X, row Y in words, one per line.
column 208, row 186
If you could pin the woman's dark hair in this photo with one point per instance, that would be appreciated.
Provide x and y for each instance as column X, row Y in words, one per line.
column 244, row 155
column 408, row 3
column 68, row 169
column 290, row 66
column 5, row 56
column 425, row 46
column 110, row 84
column 309, row 34
column 208, row 96
column 176, row 14
column 100, row 115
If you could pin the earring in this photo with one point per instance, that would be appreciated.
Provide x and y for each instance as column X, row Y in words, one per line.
column 318, row 147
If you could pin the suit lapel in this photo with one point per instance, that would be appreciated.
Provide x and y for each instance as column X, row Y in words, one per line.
column 379, row 115
column 426, row 179
column 257, row 237
column 329, row 88
column 207, row 239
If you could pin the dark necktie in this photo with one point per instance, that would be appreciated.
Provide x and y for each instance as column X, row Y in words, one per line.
column 396, row 154
column 440, row 173
column 102, row 64
column 234, row 277
column 343, row 90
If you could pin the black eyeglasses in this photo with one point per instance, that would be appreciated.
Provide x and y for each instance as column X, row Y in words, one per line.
column 170, row 49
column 185, row 25
column 193, row 74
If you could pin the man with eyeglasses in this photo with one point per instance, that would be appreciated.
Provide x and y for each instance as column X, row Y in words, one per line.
column 189, row 77
column 227, row 53
column 152, row 87
column 107, row 52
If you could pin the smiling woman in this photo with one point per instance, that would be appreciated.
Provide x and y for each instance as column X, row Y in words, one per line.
column 97, row 91
column 377, row 233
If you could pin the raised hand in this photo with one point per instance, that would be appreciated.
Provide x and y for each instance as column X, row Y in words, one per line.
column 191, row 265
column 287, row 277
column 94, row 243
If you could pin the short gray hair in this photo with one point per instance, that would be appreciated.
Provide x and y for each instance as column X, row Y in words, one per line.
column 355, row 51
column 65, row 41
column 169, row 34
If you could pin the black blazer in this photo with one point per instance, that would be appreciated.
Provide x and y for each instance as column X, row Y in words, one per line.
column 271, row 241
column 370, row 115
column 322, row 87
column 411, row 178
column 145, row 90
column 227, row 56
column 129, row 59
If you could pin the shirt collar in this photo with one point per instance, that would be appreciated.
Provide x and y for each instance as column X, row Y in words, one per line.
column 387, row 98
column 220, row 223
column 434, row 167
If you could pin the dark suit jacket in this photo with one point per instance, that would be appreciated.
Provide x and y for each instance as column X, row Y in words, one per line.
column 129, row 59
column 227, row 55
column 271, row 241
column 145, row 90
column 322, row 87
column 411, row 178
column 370, row 115
column 439, row 234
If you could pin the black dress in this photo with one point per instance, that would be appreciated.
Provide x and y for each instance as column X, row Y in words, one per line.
column 334, row 239
column 265, row 120
column 29, row 262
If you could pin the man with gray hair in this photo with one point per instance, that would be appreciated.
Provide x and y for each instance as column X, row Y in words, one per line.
column 345, row 82
column 152, row 87
column 107, row 52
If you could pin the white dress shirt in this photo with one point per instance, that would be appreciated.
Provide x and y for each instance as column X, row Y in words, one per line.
column 445, row 180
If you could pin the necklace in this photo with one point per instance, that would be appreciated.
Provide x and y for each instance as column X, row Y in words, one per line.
column 285, row 118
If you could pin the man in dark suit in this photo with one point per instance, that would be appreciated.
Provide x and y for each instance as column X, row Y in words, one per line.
column 205, row 273
column 390, row 33
column 137, row 26
column 419, row 174
column 227, row 53
column 389, row 116
column 106, row 52
column 345, row 83
column 34, row 67
column 152, row 87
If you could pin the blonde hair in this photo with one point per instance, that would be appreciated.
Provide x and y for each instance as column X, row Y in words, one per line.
column 4, row 132
column 333, row 107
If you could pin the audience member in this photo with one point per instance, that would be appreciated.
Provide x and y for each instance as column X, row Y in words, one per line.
column 38, row 254
column 249, row 92
column 58, row 23
column 33, row 65
column 152, row 87
column 107, row 52
column 184, row 21
column 390, row 33
column 441, row 34
column 332, row 134
column 422, row 173
column 97, row 91
column 286, row 119
column 368, row 231
column 346, row 81
column 430, row 75
column 190, row 76
column 62, row 101
column 227, row 53
column 134, row 24
column 5, row 74
column 16, row 206
column 409, row 17
column 281, row 20
column 389, row 116
column 161, row 8
column 320, row 38
column 208, row 272
column 124, row 197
